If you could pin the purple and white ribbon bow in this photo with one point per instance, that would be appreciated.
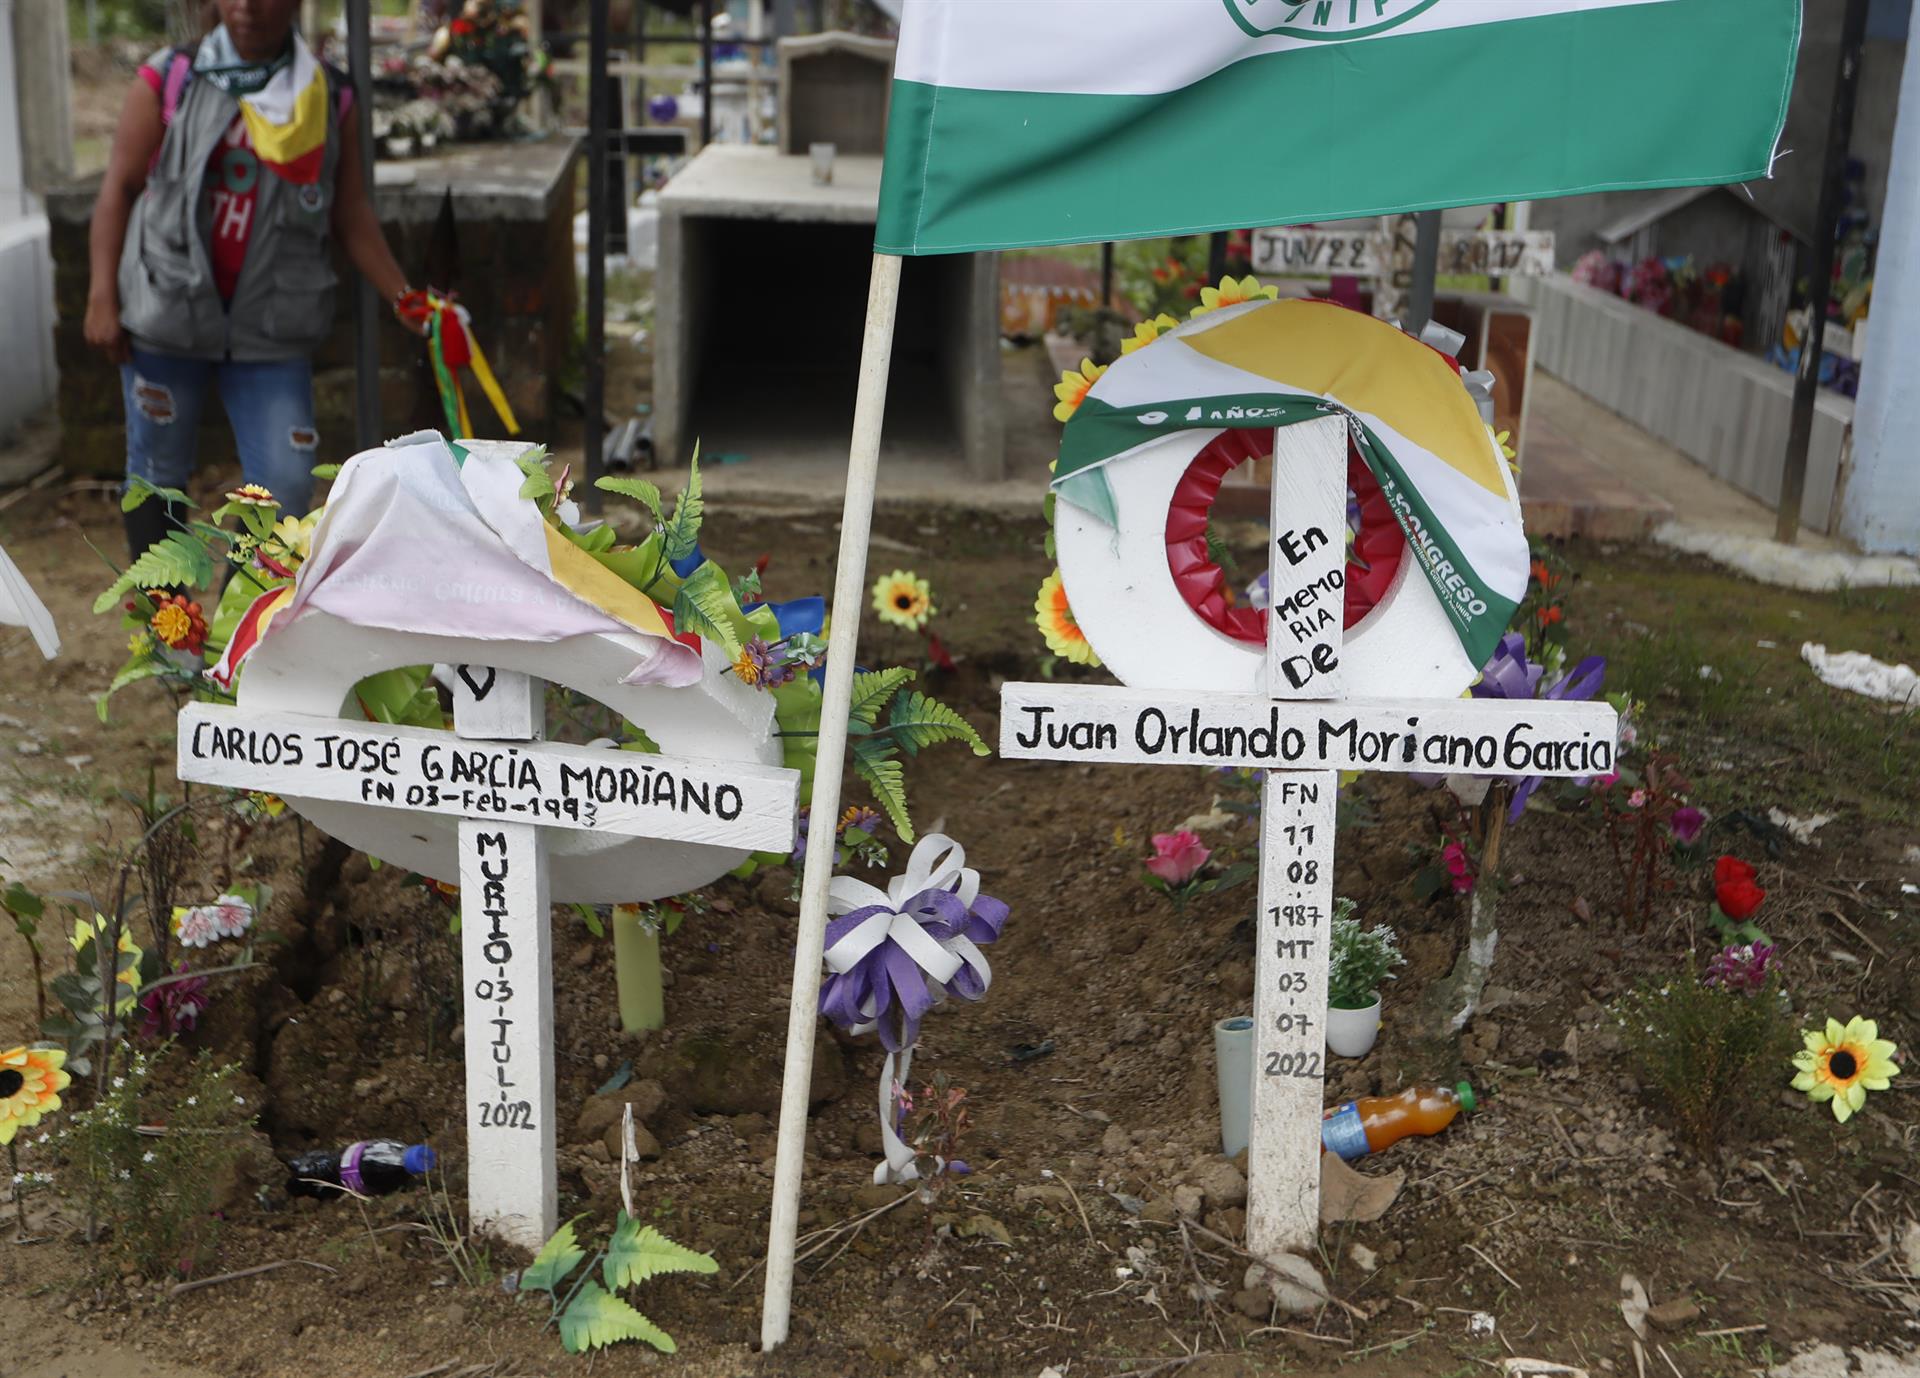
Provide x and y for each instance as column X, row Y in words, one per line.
column 893, row 955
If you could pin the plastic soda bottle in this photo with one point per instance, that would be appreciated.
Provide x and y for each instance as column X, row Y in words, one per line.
column 370, row 1167
column 1372, row 1123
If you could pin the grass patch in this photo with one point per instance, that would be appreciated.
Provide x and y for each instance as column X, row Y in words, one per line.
column 1758, row 729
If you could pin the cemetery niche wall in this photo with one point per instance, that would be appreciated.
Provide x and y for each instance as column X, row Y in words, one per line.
column 1396, row 560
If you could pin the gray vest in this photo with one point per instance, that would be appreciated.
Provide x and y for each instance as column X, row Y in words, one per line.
column 282, row 307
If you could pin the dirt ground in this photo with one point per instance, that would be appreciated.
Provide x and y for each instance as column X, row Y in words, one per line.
column 1056, row 1251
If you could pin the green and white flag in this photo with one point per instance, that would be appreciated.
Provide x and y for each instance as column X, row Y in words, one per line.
column 1020, row 122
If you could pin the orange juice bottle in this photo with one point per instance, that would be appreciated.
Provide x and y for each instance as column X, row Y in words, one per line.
column 1372, row 1123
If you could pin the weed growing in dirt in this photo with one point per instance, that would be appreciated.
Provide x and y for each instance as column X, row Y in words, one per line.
column 1705, row 1052
column 151, row 1161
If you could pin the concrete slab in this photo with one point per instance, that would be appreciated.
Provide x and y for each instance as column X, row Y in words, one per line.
column 745, row 182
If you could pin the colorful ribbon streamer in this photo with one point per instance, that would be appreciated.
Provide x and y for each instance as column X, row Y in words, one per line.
column 452, row 346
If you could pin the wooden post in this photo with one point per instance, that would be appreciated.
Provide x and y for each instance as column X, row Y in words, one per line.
column 506, row 962
column 1306, row 575
column 849, row 596
column 1833, row 174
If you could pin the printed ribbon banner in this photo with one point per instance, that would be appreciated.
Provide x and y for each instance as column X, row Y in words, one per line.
column 1268, row 364
column 1075, row 121
column 426, row 537
column 894, row 954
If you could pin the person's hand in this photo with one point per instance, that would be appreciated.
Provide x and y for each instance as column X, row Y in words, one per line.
column 104, row 331
column 412, row 310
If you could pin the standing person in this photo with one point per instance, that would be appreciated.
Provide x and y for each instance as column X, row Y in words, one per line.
column 233, row 169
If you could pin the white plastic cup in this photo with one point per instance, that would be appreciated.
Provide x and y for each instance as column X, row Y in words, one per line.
column 822, row 156
column 1233, row 1068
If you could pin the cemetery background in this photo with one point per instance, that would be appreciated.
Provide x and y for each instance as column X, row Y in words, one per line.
column 1566, row 1178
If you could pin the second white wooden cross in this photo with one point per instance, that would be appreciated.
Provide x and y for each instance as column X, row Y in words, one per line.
column 507, row 787
column 1303, row 733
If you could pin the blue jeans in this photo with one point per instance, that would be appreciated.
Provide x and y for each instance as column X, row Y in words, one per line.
column 270, row 406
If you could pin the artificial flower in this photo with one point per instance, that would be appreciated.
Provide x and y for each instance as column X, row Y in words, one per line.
column 747, row 667
column 1073, row 387
column 1056, row 622
column 140, row 641
column 232, row 915
column 178, row 622
column 196, row 926
column 1687, row 821
column 1459, row 867
column 1637, row 799
column 266, row 805
column 1177, row 856
column 31, row 1080
column 1502, row 439
column 295, row 534
column 85, row 932
column 174, row 1008
column 860, row 816
column 1743, row 968
column 1147, row 331
column 1842, row 1063
column 904, row 599
column 252, row 495
column 1232, row 293
column 1734, row 889
column 1547, row 616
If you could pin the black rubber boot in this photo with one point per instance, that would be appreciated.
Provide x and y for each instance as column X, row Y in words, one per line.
column 148, row 524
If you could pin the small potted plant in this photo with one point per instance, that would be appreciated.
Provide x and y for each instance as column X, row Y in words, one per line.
column 1361, row 959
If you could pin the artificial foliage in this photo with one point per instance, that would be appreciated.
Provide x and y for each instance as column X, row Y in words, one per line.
column 592, row 1316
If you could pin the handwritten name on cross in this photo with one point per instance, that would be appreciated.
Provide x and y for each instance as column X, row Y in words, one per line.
column 507, row 787
column 1303, row 733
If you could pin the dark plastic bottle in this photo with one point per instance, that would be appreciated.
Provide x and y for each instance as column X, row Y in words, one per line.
column 371, row 1167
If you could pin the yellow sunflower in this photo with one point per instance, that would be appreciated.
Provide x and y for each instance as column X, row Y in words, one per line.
column 904, row 599
column 1147, row 332
column 1841, row 1064
column 1073, row 387
column 1056, row 623
column 1232, row 293
column 31, row 1080
column 252, row 495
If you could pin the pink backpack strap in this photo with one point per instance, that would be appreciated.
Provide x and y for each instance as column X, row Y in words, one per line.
column 179, row 72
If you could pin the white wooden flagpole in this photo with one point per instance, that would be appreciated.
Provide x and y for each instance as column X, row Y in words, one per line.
column 849, row 595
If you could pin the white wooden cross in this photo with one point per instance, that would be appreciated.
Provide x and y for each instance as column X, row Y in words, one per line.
column 1303, row 733
column 507, row 787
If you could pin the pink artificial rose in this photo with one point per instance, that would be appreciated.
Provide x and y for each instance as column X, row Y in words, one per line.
column 1177, row 857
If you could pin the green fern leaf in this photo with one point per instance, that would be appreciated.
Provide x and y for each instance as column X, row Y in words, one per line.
column 704, row 605
column 873, row 762
column 682, row 534
column 642, row 492
column 638, row 1252
column 872, row 689
column 139, row 490
column 179, row 562
column 557, row 1257
column 918, row 721
column 129, row 674
column 596, row 1318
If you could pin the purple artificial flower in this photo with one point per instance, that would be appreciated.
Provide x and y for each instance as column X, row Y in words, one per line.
column 174, row 1008
column 800, row 834
column 1687, row 822
column 860, row 816
column 1743, row 969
